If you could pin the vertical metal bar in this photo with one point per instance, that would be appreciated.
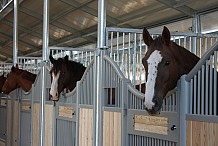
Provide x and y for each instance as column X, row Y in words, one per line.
column 183, row 109
column 134, row 61
column 118, row 56
column 43, row 78
column 122, row 68
column 112, row 37
column 202, row 89
column 215, row 83
column 15, row 33
column 199, row 92
column 32, row 116
column 129, row 62
column 195, row 96
column 140, row 61
column 200, row 47
column 206, row 86
column 205, row 45
column 97, row 112
column 211, row 87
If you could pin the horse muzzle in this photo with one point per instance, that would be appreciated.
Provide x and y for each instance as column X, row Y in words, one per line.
column 156, row 108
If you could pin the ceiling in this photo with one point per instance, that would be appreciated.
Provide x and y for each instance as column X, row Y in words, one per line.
column 73, row 23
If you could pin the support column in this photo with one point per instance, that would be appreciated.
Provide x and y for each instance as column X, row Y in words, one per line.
column 43, row 77
column 184, row 106
column 196, row 28
column 98, row 100
column 15, row 33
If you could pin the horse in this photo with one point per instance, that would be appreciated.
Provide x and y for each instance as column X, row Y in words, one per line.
column 2, row 81
column 164, row 62
column 64, row 73
column 18, row 78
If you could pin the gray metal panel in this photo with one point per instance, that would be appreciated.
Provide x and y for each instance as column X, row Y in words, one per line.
column 25, row 128
column 65, row 133
column 3, row 122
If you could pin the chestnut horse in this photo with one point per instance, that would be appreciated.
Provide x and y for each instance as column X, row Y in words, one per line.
column 164, row 62
column 18, row 78
column 2, row 81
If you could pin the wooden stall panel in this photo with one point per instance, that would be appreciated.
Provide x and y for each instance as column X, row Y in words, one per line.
column 3, row 102
column 112, row 129
column 65, row 111
column 9, row 123
column 25, row 105
column 85, row 127
column 13, row 135
column 152, row 124
column 16, row 123
column 2, row 143
column 201, row 133
column 48, row 124
column 36, row 108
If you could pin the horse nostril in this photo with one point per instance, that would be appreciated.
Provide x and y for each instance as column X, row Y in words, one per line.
column 155, row 102
column 56, row 94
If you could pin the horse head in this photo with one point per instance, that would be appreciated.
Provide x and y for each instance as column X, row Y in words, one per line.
column 2, row 81
column 18, row 78
column 64, row 73
column 11, row 81
column 164, row 62
column 60, row 76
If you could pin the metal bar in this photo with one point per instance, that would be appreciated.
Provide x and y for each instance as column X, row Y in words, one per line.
column 202, row 90
column 129, row 58
column 195, row 96
column 43, row 77
column 134, row 61
column 199, row 93
column 97, row 112
column 118, row 50
column 215, row 83
column 15, row 33
column 183, row 109
column 206, row 97
column 210, row 86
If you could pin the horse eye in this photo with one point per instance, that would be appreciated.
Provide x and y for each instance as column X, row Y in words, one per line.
column 167, row 62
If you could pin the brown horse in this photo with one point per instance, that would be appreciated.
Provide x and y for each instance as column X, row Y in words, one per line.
column 2, row 81
column 165, row 62
column 65, row 74
column 18, row 78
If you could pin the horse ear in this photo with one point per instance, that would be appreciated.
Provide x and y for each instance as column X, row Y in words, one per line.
column 147, row 37
column 17, row 66
column 166, row 36
column 51, row 59
column 13, row 68
column 66, row 58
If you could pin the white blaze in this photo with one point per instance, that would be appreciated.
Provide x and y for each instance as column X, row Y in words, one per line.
column 54, row 85
column 153, row 61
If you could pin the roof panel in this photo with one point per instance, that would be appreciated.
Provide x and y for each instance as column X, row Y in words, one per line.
column 118, row 8
column 79, row 20
column 202, row 4
column 162, row 15
column 57, row 33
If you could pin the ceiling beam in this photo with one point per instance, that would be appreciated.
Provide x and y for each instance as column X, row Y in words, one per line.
column 179, row 7
column 20, row 41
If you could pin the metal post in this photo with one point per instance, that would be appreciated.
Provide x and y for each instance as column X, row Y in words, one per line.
column 15, row 33
column 183, row 108
column 196, row 28
column 196, row 24
column 98, row 115
column 43, row 78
